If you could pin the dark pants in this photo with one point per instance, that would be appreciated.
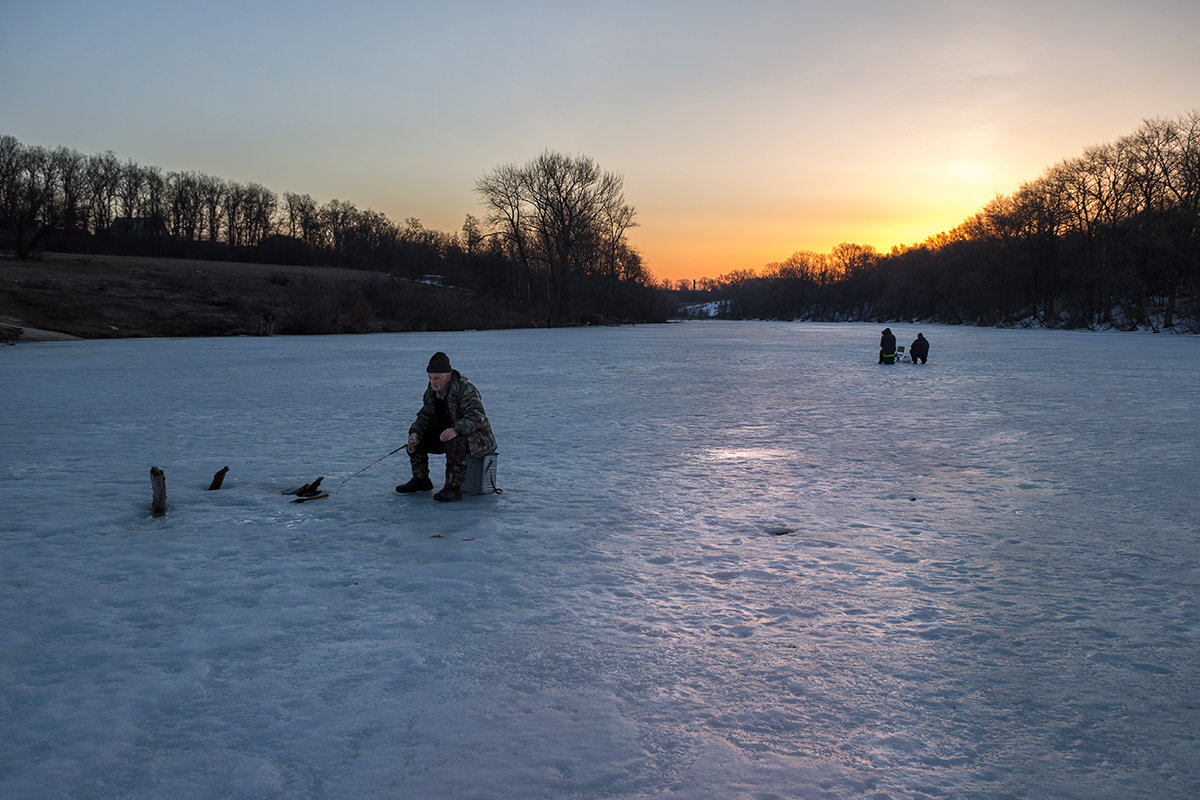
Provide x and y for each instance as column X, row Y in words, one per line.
column 887, row 358
column 456, row 457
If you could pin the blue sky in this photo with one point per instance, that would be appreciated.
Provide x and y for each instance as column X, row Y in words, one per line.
column 744, row 131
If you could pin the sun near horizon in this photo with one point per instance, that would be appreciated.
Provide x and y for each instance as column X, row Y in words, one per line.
column 677, row 249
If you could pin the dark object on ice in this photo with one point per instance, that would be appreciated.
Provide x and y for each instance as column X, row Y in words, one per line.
column 912, row 499
column 158, row 482
column 919, row 349
column 887, row 347
column 306, row 498
column 308, row 489
column 415, row 485
column 218, row 479
column 449, row 494
column 780, row 531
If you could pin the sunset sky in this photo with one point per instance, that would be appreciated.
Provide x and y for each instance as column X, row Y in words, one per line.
column 744, row 130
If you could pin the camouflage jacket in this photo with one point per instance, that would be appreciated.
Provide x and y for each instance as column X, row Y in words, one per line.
column 465, row 406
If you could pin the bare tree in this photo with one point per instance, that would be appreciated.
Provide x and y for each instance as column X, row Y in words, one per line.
column 11, row 153
column 853, row 259
column 233, row 211
column 1168, row 184
column 565, row 220
column 102, row 175
column 69, row 166
column 300, row 216
column 212, row 202
column 472, row 235
column 152, row 205
column 184, row 208
column 129, row 190
column 258, row 208
column 27, row 187
column 507, row 213
column 338, row 219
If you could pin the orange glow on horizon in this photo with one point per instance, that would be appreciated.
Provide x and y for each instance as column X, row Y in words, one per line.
column 901, row 202
column 674, row 255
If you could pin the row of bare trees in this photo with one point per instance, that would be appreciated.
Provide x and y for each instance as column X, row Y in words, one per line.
column 44, row 192
column 553, row 246
column 1110, row 238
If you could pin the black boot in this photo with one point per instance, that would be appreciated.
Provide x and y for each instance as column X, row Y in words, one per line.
column 449, row 494
column 415, row 485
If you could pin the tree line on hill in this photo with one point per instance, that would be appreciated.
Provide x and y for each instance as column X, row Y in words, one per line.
column 553, row 247
column 1108, row 239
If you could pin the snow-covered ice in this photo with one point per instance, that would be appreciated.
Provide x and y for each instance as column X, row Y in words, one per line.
column 731, row 560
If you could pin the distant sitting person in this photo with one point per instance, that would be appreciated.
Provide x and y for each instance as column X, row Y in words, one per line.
column 887, row 347
column 919, row 349
column 451, row 421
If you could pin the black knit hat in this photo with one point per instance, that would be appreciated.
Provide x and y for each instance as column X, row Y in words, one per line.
column 439, row 363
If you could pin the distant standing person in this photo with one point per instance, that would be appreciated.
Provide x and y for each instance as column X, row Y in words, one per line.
column 887, row 347
column 451, row 421
column 919, row 349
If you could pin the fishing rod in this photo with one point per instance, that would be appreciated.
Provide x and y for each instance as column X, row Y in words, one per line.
column 373, row 463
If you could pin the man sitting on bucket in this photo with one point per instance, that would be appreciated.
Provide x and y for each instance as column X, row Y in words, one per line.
column 451, row 421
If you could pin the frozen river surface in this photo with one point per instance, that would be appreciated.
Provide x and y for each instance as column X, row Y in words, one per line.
column 731, row 560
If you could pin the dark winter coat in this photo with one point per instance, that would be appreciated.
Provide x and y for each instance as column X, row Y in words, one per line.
column 887, row 342
column 920, row 347
column 464, row 406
